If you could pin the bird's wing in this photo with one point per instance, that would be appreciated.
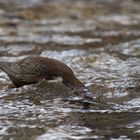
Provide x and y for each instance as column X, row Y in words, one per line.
column 24, row 71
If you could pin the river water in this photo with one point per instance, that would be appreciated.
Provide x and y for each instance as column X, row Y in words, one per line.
column 100, row 41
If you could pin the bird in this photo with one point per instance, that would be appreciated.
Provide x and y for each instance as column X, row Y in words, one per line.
column 33, row 69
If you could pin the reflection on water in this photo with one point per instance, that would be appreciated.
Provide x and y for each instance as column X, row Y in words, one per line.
column 100, row 41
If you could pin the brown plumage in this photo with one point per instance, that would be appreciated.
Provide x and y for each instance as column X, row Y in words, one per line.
column 31, row 70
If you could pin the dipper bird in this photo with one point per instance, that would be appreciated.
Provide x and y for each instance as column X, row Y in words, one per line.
column 33, row 69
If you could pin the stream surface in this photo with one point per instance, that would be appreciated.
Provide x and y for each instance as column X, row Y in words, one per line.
column 100, row 41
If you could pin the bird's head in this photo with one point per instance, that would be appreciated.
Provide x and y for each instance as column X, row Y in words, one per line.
column 78, row 87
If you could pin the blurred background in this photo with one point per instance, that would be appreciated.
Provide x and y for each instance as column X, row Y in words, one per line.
column 100, row 41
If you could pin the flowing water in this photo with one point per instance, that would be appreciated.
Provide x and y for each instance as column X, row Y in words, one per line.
column 100, row 41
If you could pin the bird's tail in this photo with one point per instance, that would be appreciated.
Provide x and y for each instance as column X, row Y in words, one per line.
column 3, row 65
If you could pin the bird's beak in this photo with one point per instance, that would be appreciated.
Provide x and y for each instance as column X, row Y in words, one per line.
column 87, row 95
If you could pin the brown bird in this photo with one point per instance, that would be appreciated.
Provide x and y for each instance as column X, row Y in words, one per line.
column 33, row 69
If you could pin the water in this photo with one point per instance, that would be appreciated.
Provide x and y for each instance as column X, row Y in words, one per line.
column 100, row 41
